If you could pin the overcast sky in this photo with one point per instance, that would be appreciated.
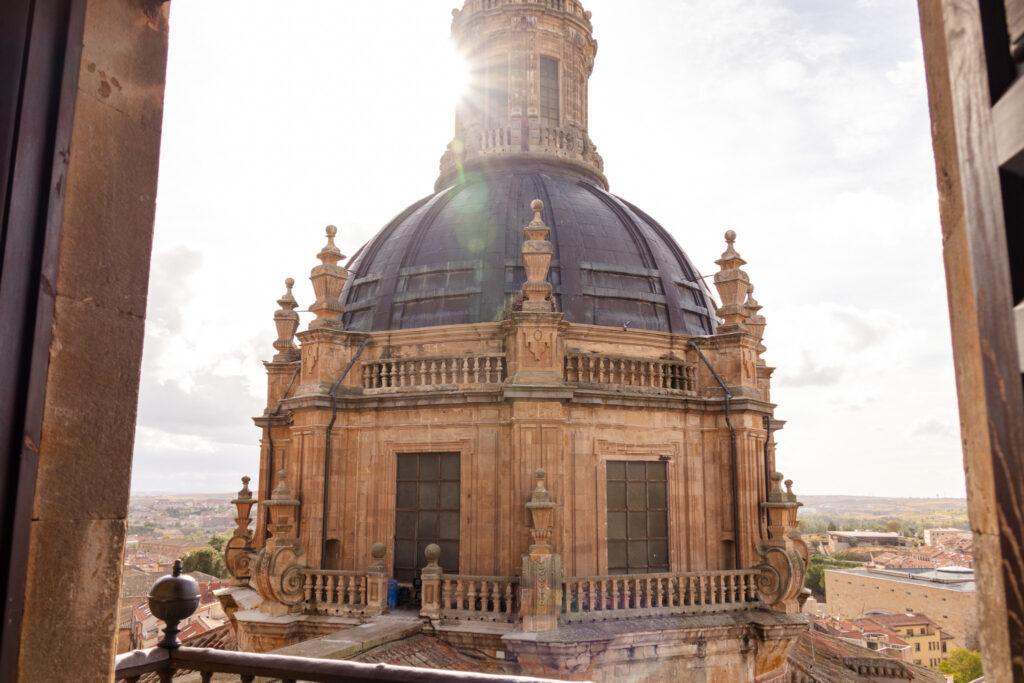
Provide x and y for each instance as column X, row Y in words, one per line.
column 800, row 124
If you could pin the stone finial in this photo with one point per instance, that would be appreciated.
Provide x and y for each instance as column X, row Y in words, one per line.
column 328, row 280
column 243, row 504
column 754, row 321
column 377, row 552
column 287, row 322
column 732, row 282
column 776, row 495
column 282, row 494
column 432, row 553
column 542, row 513
column 537, row 253
column 790, row 496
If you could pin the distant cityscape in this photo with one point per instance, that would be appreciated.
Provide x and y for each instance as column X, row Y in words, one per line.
column 161, row 529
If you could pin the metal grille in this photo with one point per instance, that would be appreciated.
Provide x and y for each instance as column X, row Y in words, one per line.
column 426, row 511
column 549, row 92
column 637, row 517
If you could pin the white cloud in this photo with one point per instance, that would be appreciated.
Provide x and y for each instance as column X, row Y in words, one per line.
column 801, row 124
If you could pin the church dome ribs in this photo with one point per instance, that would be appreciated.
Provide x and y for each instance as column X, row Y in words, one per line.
column 454, row 258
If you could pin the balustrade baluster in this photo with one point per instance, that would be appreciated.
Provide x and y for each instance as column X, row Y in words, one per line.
column 307, row 588
column 329, row 589
column 661, row 593
column 615, row 594
column 509, row 597
column 352, row 588
column 362, row 590
column 487, row 370
column 393, row 374
column 700, row 589
column 590, row 596
column 626, row 593
column 579, row 595
column 672, row 585
column 460, row 594
column 317, row 586
column 446, row 594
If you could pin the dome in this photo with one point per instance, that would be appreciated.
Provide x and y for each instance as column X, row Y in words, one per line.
column 455, row 257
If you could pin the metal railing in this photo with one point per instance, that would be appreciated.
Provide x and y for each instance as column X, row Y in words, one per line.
column 131, row 667
column 595, row 598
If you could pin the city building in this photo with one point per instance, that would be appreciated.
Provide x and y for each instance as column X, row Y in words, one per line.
column 941, row 537
column 821, row 656
column 948, row 596
column 929, row 645
column 169, row 547
column 841, row 540
column 867, row 633
column 520, row 402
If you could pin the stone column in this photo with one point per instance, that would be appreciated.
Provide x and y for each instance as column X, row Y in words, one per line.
column 536, row 348
column 377, row 576
column 87, row 202
column 430, row 583
column 540, row 592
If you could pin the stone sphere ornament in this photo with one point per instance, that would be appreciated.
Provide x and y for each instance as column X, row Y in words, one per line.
column 173, row 598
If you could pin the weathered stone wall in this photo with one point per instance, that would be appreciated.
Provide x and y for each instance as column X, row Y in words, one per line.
column 109, row 189
column 570, row 429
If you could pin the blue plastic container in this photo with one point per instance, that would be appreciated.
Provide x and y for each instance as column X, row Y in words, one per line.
column 392, row 594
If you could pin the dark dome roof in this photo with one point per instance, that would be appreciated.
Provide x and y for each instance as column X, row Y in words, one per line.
column 455, row 257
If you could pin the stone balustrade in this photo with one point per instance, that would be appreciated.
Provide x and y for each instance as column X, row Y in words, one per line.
column 673, row 375
column 335, row 592
column 560, row 5
column 477, row 598
column 561, row 140
column 597, row 598
column 395, row 373
column 496, row 140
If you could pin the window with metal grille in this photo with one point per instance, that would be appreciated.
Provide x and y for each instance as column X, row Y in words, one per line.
column 637, row 517
column 497, row 93
column 549, row 92
column 426, row 511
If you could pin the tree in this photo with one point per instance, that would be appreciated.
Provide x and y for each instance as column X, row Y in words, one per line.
column 218, row 541
column 831, row 526
column 964, row 664
column 206, row 560
column 816, row 579
column 892, row 525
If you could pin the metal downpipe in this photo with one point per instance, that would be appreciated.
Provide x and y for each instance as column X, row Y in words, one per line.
column 327, row 449
column 732, row 452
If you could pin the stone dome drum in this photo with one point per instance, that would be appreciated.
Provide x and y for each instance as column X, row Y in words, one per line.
column 455, row 257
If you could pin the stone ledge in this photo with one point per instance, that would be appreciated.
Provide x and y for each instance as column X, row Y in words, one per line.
column 347, row 643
